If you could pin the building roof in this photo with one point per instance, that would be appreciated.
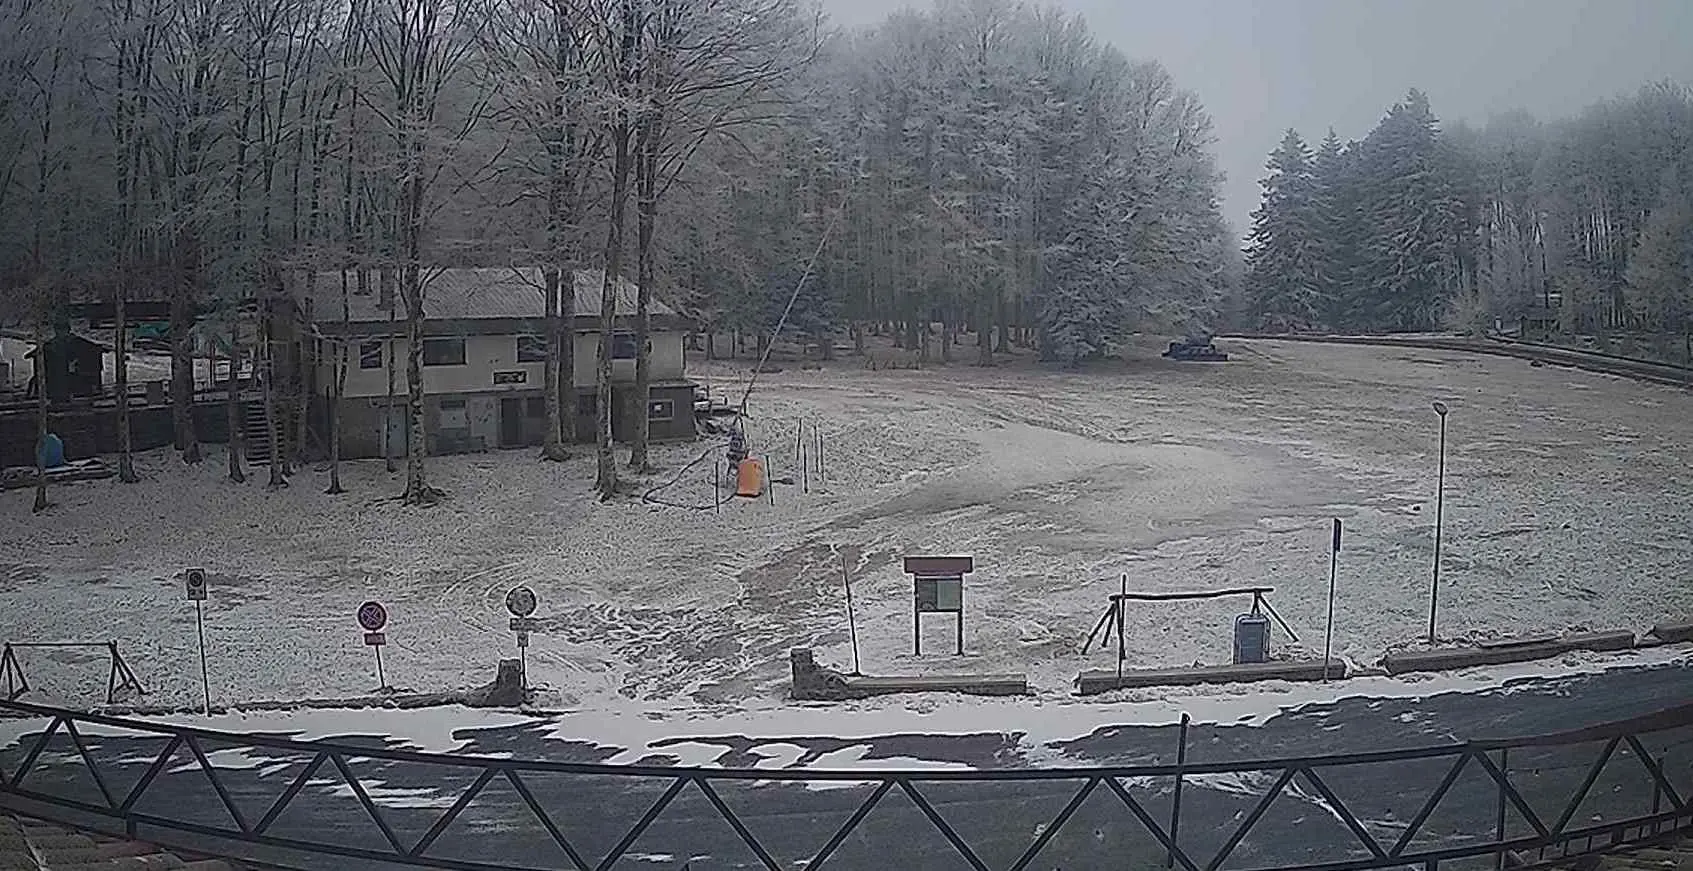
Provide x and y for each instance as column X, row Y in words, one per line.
column 503, row 293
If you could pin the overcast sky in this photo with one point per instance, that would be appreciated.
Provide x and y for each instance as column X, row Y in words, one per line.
column 1261, row 66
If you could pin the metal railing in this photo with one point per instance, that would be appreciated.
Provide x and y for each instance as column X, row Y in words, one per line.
column 1499, row 803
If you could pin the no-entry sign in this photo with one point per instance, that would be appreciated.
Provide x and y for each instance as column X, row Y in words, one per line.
column 372, row 616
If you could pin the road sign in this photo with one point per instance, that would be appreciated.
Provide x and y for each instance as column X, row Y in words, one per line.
column 372, row 616
column 524, row 624
column 375, row 639
column 520, row 601
column 195, row 582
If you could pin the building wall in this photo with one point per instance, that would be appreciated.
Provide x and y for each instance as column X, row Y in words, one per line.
column 486, row 355
column 477, row 425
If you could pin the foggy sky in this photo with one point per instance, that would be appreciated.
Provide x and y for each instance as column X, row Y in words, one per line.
column 1261, row 66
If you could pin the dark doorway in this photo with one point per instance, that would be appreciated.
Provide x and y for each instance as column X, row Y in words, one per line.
column 511, row 423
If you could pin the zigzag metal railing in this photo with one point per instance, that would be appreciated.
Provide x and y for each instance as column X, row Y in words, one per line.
column 1550, row 838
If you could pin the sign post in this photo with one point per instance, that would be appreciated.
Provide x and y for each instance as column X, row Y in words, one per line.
column 520, row 602
column 1334, row 559
column 373, row 617
column 937, row 588
column 194, row 581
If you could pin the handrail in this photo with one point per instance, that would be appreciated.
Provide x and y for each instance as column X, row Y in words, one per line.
column 1310, row 776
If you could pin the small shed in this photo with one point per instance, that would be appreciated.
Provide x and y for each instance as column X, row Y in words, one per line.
column 73, row 365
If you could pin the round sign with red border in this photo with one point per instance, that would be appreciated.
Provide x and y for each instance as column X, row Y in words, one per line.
column 372, row 616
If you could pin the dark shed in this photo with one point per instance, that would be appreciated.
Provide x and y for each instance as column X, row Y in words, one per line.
column 73, row 365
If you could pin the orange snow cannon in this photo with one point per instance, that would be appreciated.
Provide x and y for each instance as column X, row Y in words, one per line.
column 749, row 478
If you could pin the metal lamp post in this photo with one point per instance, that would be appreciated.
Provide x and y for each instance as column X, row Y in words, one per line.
column 1439, row 516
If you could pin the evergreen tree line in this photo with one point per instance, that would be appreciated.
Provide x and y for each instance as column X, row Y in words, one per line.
column 1584, row 223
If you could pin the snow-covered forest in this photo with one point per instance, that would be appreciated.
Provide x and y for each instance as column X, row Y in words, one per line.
column 986, row 165
column 1586, row 220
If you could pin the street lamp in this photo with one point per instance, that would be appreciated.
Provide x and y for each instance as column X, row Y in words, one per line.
column 1439, row 513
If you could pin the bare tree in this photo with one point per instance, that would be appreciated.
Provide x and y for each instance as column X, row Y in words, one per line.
column 706, row 67
column 420, row 48
column 624, row 75
column 545, row 57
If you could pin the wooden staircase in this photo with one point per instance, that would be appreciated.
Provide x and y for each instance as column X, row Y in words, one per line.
column 255, row 433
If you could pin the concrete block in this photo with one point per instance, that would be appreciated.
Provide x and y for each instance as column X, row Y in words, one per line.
column 814, row 682
column 1093, row 682
column 1674, row 631
column 1468, row 657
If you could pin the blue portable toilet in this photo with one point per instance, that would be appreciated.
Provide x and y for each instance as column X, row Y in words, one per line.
column 1251, row 638
column 52, row 452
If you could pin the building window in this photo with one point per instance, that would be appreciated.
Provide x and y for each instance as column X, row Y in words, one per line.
column 622, row 346
column 661, row 410
column 531, row 349
column 443, row 352
column 370, row 355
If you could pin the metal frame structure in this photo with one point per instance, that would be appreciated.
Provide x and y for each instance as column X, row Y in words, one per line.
column 1551, row 837
column 120, row 677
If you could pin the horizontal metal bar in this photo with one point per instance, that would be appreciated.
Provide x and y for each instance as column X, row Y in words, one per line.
column 103, row 645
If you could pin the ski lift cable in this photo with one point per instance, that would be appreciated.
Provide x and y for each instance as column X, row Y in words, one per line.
column 650, row 496
column 810, row 266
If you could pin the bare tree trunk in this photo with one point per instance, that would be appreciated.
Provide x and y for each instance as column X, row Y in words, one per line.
column 273, row 422
column 182, row 350
column 41, row 411
column 646, row 213
column 418, row 491
column 605, row 480
column 120, row 370
column 385, row 278
column 552, row 444
column 232, row 403
column 627, row 70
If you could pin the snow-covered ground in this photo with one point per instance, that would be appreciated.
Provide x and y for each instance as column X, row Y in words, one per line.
column 1568, row 505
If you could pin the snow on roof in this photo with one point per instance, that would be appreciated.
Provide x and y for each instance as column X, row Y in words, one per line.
column 474, row 294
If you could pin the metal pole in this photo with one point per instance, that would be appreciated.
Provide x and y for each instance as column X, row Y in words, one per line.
column 1328, row 633
column 1122, row 644
column 1499, row 825
column 1176, row 797
column 1439, row 517
column 381, row 682
column 205, row 680
column 523, row 669
column 852, row 620
column 717, row 486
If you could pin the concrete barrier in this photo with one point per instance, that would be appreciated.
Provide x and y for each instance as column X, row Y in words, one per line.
column 1673, row 631
column 1498, row 653
column 1093, row 682
column 813, row 682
